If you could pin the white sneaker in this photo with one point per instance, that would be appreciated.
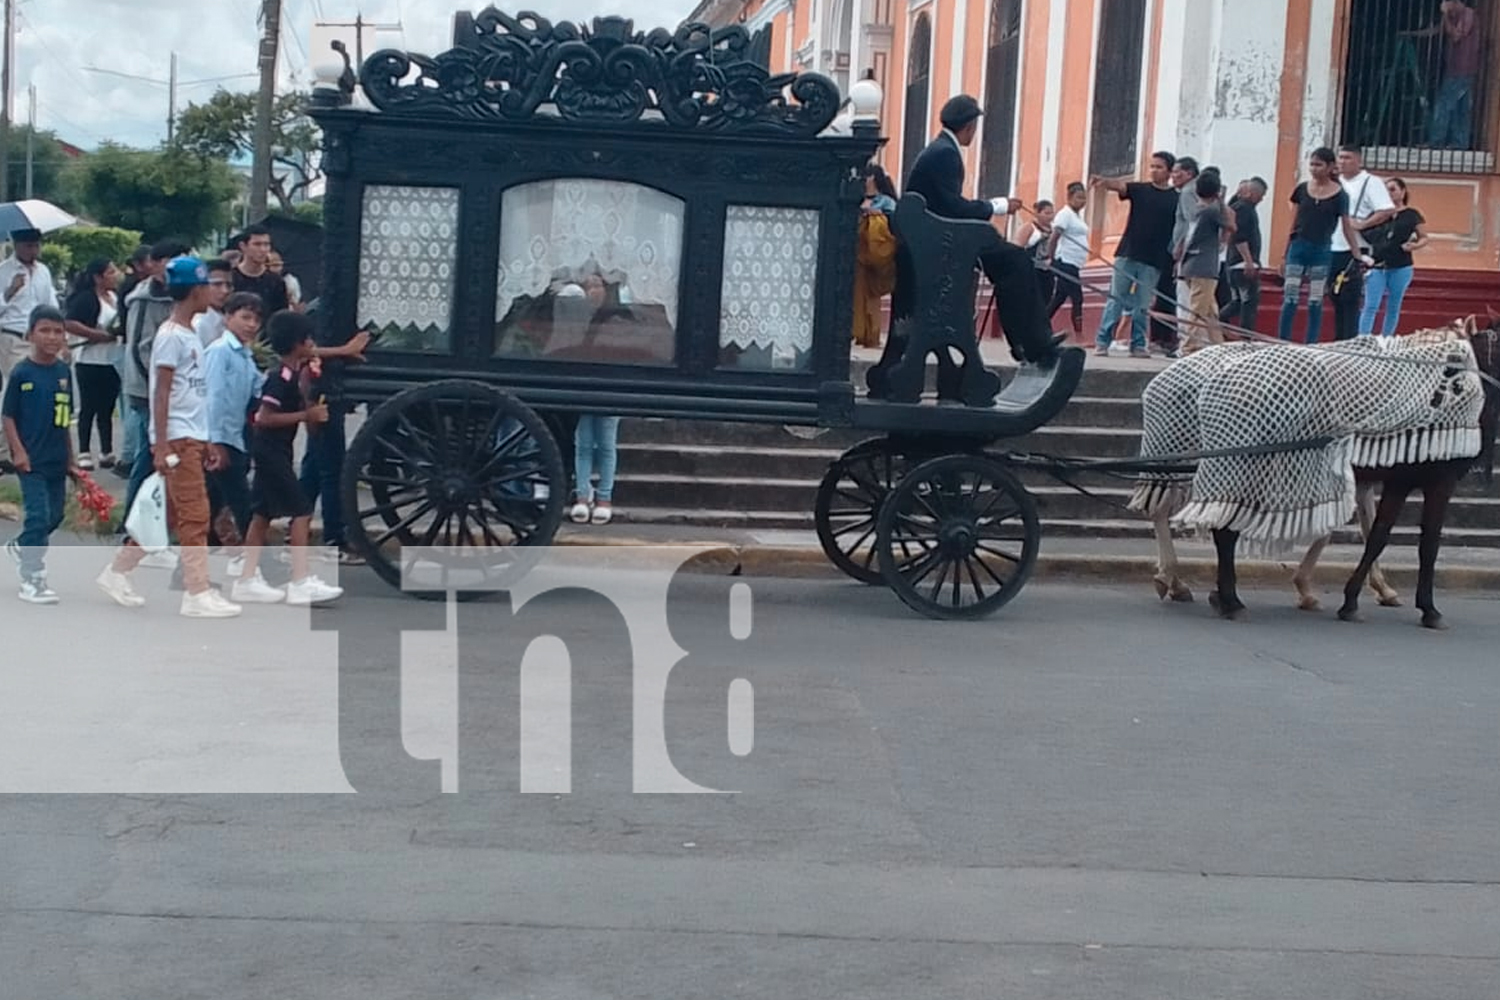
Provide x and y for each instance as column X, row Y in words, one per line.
column 165, row 559
column 209, row 604
column 256, row 591
column 236, row 568
column 36, row 591
column 117, row 586
column 311, row 591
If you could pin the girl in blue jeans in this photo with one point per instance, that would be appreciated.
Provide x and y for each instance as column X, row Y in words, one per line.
column 1392, row 246
column 1321, row 205
column 596, row 447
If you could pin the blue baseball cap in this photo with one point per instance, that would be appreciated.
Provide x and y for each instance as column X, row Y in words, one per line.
column 184, row 272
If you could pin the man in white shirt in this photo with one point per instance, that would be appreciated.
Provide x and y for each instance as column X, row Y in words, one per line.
column 1370, row 206
column 25, row 283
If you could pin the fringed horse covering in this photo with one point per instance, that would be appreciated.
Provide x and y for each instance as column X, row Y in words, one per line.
column 1381, row 402
column 1170, row 424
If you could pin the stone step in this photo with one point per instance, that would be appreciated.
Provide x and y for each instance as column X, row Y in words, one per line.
column 803, row 461
column 1405, row 535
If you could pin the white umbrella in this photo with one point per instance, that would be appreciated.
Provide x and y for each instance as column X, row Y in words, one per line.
column 33, row 214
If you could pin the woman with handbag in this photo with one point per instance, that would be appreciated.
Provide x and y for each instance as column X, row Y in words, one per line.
column 875, row 273
column 1392, row 245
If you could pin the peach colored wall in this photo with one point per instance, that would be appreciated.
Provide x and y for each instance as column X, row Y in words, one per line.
column 1036, row 53
column 942, row 62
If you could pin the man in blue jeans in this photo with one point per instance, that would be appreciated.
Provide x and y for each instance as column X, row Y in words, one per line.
column 1145, row 250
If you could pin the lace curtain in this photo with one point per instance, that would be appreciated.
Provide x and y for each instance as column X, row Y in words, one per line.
column 408, row 254
column 770, row 273
column 562, row 229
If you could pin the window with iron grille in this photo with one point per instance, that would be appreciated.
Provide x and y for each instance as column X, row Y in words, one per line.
column 918, row 83
column 1417, row 85
column 1117, row 88
column 1001, row 73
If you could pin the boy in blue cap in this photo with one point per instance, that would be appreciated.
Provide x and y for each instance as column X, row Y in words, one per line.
column 37, row 411
column 180, row 452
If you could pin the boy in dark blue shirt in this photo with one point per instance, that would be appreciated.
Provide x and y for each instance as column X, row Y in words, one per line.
column 37, row 412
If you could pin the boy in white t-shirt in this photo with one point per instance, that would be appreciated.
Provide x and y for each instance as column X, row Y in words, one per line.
column 1070, row 252
column 179, row 436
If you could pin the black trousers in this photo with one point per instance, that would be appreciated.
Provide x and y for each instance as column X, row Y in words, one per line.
column 1165, row 334
column 1068, row 287
column 1348, row 295
column 1023, row 311
column 98, row 390
column 1243, row 307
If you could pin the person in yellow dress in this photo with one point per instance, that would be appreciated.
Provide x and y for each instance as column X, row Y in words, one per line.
column 875, row 275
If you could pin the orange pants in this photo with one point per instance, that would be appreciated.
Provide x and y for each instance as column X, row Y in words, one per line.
column 188, row 516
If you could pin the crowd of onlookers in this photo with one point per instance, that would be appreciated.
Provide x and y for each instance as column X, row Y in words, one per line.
column 214, row 369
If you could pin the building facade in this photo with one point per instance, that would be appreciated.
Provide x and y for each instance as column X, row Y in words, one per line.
column 1074, row 88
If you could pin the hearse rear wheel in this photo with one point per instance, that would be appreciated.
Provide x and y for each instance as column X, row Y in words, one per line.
column 453, row 487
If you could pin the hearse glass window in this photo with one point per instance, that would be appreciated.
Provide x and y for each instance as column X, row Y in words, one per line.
column 589, row 271
column 408, row 252
column 770, row 271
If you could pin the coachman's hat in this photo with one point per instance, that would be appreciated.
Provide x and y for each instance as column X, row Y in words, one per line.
column 960, row 111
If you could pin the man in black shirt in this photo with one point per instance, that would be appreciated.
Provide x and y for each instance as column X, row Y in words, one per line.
column 1242, row 269
column 1144, row 251
column 253, row 273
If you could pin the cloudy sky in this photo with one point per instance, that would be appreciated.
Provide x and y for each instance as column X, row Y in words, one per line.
column 60, row 44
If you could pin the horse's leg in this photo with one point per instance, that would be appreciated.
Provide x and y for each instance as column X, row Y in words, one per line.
column 1226, row 600
column 1168, row 579
column 1365, row 505
column 1392, row 499
column 1307, row 600
column 1435, row 497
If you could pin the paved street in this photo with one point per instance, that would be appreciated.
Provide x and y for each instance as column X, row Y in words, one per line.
column 1092, row 795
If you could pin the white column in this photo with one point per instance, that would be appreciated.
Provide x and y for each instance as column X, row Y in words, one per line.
column 1169, row 78
column 1320, row 108
column 1049, row 184
column 959, row 43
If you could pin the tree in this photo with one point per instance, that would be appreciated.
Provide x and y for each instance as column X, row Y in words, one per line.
column 86, row 243
column 48, row 165
column 224, row 129
column 160, row 193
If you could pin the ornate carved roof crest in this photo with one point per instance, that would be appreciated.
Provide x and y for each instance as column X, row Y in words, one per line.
column 521, row 68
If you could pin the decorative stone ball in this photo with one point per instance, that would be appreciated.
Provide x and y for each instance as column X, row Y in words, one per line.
column 866, row 98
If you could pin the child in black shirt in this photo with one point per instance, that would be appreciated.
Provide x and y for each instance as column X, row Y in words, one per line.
column 275, row 492
column 38, row 411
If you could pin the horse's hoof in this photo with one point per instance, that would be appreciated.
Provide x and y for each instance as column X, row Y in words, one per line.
column 1162, row 588
column 1348, row 614
column 1434, row 622
column 1240, row 614
column 1391, row 600
column 1214, row 603
column 1309, row 603
column 1181, row 593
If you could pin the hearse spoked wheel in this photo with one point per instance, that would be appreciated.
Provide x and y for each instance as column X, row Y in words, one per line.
column 453, row 487
column 847, row 511
column 958, row 537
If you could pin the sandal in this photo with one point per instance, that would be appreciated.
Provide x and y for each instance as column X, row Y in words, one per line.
column 580, row 513
column 603, row 514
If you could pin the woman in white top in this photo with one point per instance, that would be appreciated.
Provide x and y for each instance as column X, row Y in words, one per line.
column 1036, row 237
column 91, row 311
column 1070, row 251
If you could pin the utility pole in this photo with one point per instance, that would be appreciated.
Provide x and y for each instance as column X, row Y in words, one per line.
column 172, row 101
column 30, row 138
column 265, row 106
column 5, row 84
column 359, row 24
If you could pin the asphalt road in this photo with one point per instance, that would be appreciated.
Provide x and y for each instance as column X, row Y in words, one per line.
column 1091, row 795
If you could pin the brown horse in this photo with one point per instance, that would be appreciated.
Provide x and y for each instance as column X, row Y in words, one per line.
column 1436, row 480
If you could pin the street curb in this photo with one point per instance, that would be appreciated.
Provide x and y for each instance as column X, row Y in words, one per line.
column 803, row 562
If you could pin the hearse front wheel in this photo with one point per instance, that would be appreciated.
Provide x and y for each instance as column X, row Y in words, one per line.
column 958, row 537
column 453, row 488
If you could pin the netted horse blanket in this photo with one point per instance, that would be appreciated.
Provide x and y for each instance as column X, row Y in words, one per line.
column 1169, row 424
column 1381, row 403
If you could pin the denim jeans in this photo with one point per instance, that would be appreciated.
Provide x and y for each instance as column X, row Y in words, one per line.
column 1452, row 123
column 596, row 443
column 43, row 499
column 322, row 470
column 1380, row 283
column 135, row 415
column 1304, row 262
column 1131, row 287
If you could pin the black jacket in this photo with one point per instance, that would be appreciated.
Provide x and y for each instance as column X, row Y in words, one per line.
column 938, row 176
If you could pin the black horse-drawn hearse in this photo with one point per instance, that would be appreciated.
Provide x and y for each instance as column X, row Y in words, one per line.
column 551, row 219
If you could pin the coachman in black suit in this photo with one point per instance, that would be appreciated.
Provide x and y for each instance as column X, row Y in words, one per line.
column 938, row 176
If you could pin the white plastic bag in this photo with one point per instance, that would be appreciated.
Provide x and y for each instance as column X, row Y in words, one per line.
column 147, row 520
